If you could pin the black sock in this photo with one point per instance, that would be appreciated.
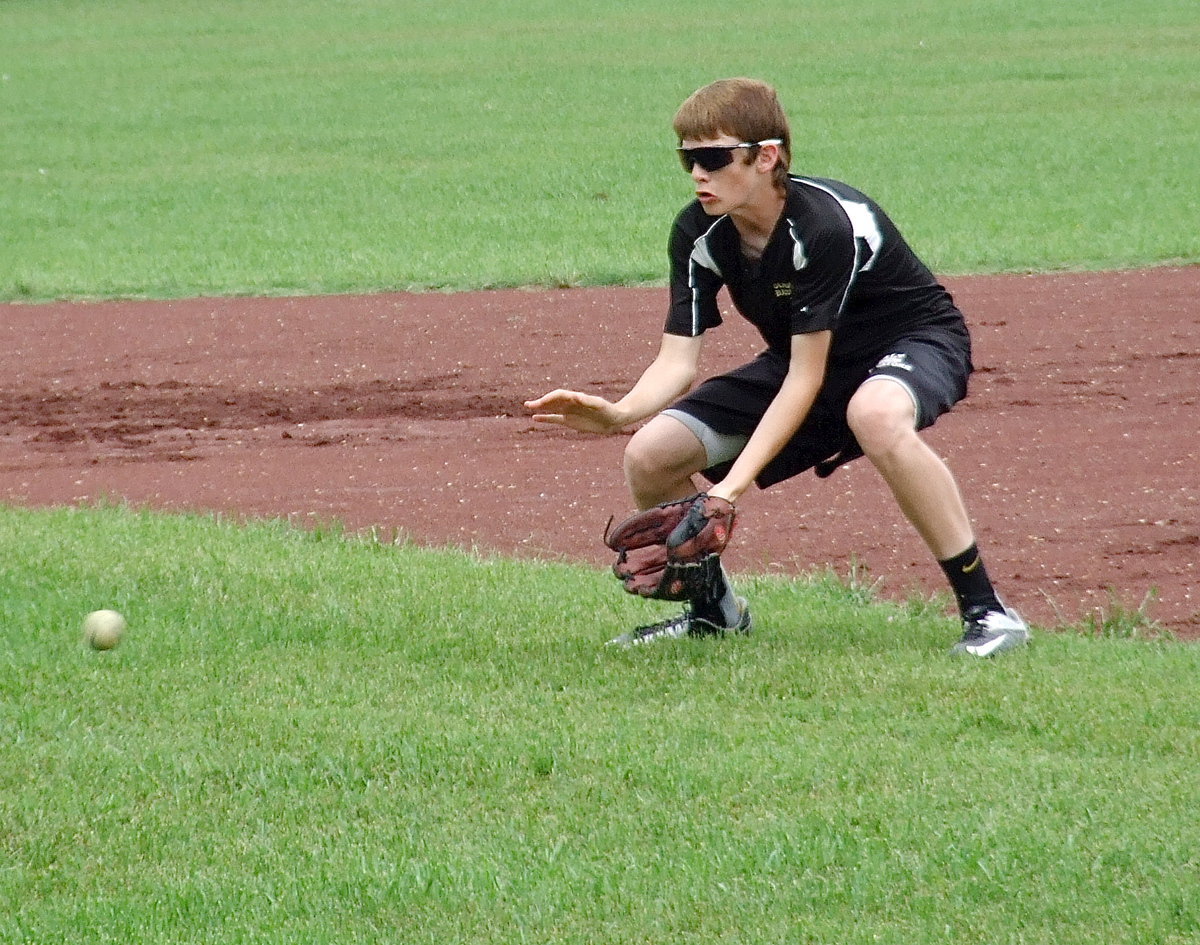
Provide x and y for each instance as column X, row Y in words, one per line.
column 970, row 582
column 720, row 605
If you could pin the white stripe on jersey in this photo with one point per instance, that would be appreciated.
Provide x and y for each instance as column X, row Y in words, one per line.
column 863, row 225
column 701, row 256
column 799, row 253
column 862, row 219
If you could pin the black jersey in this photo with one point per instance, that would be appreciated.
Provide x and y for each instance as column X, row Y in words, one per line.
column 835, row 262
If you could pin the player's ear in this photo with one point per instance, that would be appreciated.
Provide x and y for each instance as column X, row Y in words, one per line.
column 768, row 156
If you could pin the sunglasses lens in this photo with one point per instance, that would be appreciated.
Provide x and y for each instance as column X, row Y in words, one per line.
column 711, row 159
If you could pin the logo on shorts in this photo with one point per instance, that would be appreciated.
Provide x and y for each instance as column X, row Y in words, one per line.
column 783, row 290
column 897, row 360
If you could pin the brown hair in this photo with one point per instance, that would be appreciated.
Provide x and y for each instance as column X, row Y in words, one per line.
column 746, row 109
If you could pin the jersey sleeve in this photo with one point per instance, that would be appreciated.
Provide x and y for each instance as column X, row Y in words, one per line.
column 695, row 282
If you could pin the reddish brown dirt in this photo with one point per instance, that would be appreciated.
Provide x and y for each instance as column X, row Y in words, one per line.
column 1077, row 449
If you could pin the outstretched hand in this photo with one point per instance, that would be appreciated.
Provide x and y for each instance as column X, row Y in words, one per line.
column 570, row 408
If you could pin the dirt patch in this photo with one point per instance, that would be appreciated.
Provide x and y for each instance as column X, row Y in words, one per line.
column 1077, row 448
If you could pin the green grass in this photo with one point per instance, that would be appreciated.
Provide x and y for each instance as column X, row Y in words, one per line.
column 310, row 737
column 300, row 147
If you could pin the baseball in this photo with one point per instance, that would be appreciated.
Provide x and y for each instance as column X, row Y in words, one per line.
column 102, row 629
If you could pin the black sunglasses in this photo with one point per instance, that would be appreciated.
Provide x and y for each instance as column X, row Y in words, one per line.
column 716, row 156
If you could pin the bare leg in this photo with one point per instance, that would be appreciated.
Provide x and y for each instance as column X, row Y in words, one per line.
column 660, row 461
column 882, row 416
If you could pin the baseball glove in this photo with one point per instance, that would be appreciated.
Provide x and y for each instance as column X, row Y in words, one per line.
column 671, row 551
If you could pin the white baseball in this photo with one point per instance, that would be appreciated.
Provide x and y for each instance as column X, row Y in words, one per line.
column 103, row 629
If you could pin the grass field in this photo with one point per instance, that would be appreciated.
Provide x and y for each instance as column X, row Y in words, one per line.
column 310, row 737
column 304, row 147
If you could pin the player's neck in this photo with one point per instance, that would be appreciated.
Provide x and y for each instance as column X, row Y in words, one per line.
column 756, row 221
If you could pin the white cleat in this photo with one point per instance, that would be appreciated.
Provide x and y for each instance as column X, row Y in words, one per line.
column 988, row 632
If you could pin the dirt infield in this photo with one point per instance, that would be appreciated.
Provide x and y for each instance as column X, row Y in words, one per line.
column 1077, row 448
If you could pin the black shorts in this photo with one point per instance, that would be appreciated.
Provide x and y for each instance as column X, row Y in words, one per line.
column 932, row 363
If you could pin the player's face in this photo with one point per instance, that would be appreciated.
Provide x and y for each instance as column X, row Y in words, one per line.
column 731, row 187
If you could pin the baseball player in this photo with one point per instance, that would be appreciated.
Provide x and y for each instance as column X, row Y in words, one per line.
column 864, row 348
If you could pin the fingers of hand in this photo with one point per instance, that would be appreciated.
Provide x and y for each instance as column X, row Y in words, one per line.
column 556, row 407
column 561, row 398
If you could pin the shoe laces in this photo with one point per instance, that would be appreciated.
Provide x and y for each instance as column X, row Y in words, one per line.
column 976, row 620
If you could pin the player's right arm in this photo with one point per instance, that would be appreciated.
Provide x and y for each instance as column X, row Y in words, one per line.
column 692, row 310
column 668, row 376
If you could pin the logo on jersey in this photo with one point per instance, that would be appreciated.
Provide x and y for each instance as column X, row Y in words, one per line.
column 898, row 360
column 783, row 290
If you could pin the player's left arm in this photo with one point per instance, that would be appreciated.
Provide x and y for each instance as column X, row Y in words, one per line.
column 806, row 374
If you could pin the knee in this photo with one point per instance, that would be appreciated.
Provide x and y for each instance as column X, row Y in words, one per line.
column 645, row 460
column 636, row 459
column 660, row 460
column 882, row 416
